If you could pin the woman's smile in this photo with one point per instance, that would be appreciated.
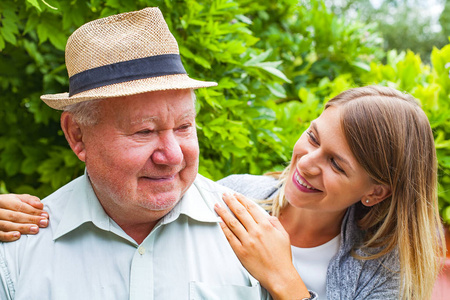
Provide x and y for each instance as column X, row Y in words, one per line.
column 302, row 184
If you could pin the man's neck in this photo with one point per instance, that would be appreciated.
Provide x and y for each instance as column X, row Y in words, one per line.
column 137, row 223
column 139, row 232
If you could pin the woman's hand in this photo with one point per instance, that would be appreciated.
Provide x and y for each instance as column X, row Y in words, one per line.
column 20, row 214
column 263, row 247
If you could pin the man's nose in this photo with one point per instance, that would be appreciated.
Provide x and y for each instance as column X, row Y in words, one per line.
column 168, row 151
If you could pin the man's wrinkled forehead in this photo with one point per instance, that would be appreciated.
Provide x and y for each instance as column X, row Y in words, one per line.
column 189, row 115
column 161, row 107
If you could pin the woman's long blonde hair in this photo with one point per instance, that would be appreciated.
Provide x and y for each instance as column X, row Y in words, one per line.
column 391, row 138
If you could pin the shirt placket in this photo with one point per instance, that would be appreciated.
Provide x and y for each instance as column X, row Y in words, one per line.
column 142, row 275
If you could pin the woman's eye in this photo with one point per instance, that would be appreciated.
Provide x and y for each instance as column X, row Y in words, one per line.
column 312, row 137
column 336, row 166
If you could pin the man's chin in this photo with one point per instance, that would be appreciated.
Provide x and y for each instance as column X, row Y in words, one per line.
column 164, row 202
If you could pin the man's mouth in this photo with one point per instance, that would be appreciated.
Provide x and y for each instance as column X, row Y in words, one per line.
column 160, row 178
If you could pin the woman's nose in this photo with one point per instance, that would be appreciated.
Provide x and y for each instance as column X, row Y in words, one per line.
column 309, row 163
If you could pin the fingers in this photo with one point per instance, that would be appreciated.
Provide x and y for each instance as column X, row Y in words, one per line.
column 9, row 236
column 20, row 214
column 240, row 210
column 235, row 243
column 252, row 208
column 6, row 226
column 19, row 219
column 31, row 200
column 10, row 231
column 277, row 224
column 233, row 225
column 22, row 203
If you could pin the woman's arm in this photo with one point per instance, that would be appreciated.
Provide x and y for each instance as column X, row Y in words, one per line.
column 263, row 247
column 20, row 214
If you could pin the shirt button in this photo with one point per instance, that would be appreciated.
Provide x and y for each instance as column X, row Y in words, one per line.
column 141, row 250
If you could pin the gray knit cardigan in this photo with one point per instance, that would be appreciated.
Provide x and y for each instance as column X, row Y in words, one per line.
column 347, row 277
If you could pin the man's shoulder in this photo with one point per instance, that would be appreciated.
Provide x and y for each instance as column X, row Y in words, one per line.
column 205, row 184
column 56, row 203
column 253, row 186
column 63, row 192
column 210, row 191
column 15, row 256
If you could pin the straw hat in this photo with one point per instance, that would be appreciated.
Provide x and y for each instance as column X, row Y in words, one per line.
column 121, row 55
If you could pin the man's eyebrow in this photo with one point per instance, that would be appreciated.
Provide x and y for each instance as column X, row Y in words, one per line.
column 144, row 119
column 189, row 114
column 337, row 156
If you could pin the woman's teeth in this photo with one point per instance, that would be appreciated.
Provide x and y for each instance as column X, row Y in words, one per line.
column 302, row 183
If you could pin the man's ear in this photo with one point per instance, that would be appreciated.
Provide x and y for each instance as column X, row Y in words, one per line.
column 376, row 195
column 73, row 134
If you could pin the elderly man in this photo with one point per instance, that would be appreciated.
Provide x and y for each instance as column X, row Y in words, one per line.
column 140, row 223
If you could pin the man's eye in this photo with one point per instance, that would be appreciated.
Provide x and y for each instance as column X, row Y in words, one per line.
column 184, row 127
column 145, row 131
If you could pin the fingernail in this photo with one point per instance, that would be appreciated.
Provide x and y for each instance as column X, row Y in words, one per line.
column 43, row 222
column 16, row 234
column 34, row 229
column 44, row 215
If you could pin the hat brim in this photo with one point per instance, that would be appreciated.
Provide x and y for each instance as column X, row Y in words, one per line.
column 161, row 83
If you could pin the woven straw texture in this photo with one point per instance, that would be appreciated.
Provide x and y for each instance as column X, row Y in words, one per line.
column 116, row 39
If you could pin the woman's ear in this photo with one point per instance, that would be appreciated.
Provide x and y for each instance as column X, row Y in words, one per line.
column 73, row 134
column 376, row 195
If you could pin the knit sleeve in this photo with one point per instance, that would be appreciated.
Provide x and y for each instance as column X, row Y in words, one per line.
column 252, row 186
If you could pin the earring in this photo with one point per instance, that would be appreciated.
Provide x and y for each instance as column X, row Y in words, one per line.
column 367, row 201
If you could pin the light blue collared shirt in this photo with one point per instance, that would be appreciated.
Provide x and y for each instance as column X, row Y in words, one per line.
column 84, row 254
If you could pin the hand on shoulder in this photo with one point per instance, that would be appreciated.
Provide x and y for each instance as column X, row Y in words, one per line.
column 20, row 214
column 263, row 247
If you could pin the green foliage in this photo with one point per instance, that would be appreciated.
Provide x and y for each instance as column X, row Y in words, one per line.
column 431, row 85
column 276, row 62
column 444, row 19
column 403, row 24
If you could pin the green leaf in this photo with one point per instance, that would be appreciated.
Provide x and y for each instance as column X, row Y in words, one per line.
column 32, row 22
column 8, row 34
column 277, row 90
column 35, row 4
column 2, row 43
column 42, row 32
column 58, row 40
column 362, row 65
column 276, row 73
column 258, row 59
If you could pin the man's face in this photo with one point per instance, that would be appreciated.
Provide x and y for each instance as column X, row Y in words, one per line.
column 142, row 155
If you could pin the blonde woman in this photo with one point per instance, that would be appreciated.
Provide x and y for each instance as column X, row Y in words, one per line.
column 357, row 205
column 356, row 208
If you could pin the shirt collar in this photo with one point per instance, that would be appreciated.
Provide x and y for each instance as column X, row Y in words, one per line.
column 197, row 203
column 82, row 207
